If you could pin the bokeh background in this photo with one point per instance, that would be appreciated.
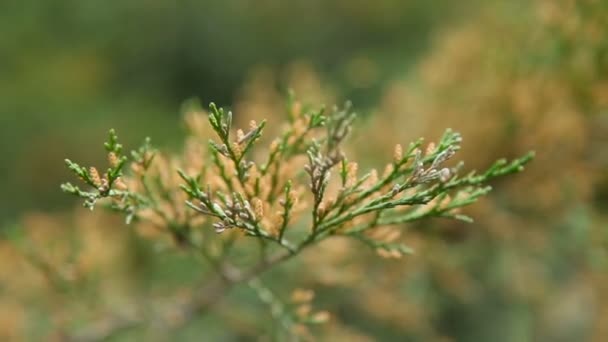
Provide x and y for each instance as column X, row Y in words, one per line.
column 512, row 76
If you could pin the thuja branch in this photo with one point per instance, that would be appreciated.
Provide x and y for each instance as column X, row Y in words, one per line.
column 234, row 184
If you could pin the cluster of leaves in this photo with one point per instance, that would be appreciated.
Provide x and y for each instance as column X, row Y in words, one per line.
column 244, row 189
column 101, row 187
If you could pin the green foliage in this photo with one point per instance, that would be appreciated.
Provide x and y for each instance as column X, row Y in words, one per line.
column 236, row 191
column 101, row 186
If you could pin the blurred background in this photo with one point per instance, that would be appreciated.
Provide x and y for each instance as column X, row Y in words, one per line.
column 512, row 76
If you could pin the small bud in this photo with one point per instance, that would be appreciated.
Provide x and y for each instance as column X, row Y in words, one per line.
column 105, row 185
column 383, row 253
column 395, row 190
column 398, row 154
column 137, row 168
column 94, row 174
column 388, row 170
column 253, row 125
column 446, row 201
column 304, row 310
column 219, row 227
column 351, row 174
column 274, row 146
column 321, row 209
column 373, row 178
column 330, row 202
column 236, row 148
column 444, row 175
column 302, row 296
column 113, row 159
column 430, row 149
column 395, row 254
column 258, row 208
column 389, row 253
column 148, row 156
column 119, row 184
column 299, row 127
column 321, row 317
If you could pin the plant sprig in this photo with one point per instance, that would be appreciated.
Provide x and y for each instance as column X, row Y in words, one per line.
column 102, row 186
column 234, row 191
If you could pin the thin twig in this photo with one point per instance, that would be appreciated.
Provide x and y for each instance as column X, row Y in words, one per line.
column 180, row 312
